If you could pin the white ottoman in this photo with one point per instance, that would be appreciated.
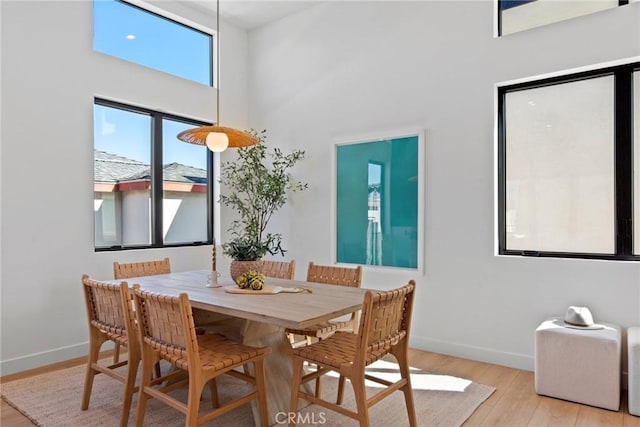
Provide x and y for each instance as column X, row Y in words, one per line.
column 633, row 347
column 579, row 365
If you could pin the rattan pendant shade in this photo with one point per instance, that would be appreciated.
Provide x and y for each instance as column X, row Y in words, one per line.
column 236, row 138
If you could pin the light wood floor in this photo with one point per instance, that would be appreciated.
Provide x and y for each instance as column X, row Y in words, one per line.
column 513, row 404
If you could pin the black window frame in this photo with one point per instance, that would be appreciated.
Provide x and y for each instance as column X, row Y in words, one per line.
column 623, row 159
column 157, row 192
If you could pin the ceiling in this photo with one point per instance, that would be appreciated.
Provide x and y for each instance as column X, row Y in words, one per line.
column 250, row 14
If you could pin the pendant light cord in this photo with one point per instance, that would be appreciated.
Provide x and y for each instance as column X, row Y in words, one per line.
column 218, row 62
column 200, row 135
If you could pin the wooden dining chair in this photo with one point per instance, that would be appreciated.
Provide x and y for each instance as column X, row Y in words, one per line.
column 144, row 268
column 110, row 315
column 167, row 332
column 138, row 269
column 330, row 275
column 279, row 269
column 384, row 329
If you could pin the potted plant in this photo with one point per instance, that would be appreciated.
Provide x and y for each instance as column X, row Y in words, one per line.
column 257, row 185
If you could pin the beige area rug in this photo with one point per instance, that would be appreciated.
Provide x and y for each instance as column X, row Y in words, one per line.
column 53, row 399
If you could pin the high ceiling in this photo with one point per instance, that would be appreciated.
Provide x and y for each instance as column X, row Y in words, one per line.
column 254, row 13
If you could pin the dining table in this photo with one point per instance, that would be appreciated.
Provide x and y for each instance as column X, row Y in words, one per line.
column 264, row 317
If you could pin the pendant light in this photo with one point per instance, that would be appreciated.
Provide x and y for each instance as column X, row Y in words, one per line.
column 217, row 138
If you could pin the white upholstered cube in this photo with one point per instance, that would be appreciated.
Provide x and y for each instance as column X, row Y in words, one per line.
column 579, row 365
column 633, row 348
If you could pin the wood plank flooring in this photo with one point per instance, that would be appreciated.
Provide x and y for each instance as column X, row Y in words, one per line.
column 513, row 404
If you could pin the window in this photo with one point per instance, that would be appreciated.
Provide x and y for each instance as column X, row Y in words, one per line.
column 150, row 189
column 565, row 166
column 137, row 35
column 378, row 193
column 518, row 15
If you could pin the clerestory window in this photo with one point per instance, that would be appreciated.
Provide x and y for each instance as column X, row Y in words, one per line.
column 138, row 35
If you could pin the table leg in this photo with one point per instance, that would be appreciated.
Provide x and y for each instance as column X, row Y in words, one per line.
column 277, row 367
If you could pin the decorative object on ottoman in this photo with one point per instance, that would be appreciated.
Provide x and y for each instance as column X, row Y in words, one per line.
column 633, row 348
column 580, row 318
column 579, row 363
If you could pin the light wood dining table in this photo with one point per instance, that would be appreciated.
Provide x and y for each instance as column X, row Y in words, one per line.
column 265, row 316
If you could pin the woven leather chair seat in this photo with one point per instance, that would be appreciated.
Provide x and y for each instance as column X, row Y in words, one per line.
column 215, row 351
column 338, row 352
column 323, row 329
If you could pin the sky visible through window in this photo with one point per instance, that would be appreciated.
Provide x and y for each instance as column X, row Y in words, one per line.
column 128, row 134
column 121, row 132
column 135, row 35
column 177, row 151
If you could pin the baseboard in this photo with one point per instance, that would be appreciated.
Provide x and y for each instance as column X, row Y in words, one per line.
column 36, row 360
column 482, row 354
column 487, row 355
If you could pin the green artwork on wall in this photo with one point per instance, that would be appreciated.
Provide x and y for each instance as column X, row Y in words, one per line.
column 377, row 202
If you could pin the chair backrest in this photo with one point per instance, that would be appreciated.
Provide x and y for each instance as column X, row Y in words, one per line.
column 333, row 275
column 279, row 269
column 385, row 321
column 137, row 269
column 110, row 307
column 166, row 324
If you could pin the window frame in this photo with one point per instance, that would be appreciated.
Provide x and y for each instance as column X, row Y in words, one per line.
column 623, row 161
column 157, row 190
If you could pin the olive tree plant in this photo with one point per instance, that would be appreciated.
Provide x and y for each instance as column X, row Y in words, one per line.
column 257, row 185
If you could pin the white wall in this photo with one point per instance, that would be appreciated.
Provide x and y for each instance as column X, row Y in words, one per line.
column 184, row 216
column 136, row 223
column 351, row 68
column 50, row 76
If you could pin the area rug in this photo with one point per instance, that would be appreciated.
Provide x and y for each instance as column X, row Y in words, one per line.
column 53, row 399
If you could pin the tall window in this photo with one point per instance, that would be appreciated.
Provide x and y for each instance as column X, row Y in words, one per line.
column 150, row 189
column 565, row 166
column 138, row 35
